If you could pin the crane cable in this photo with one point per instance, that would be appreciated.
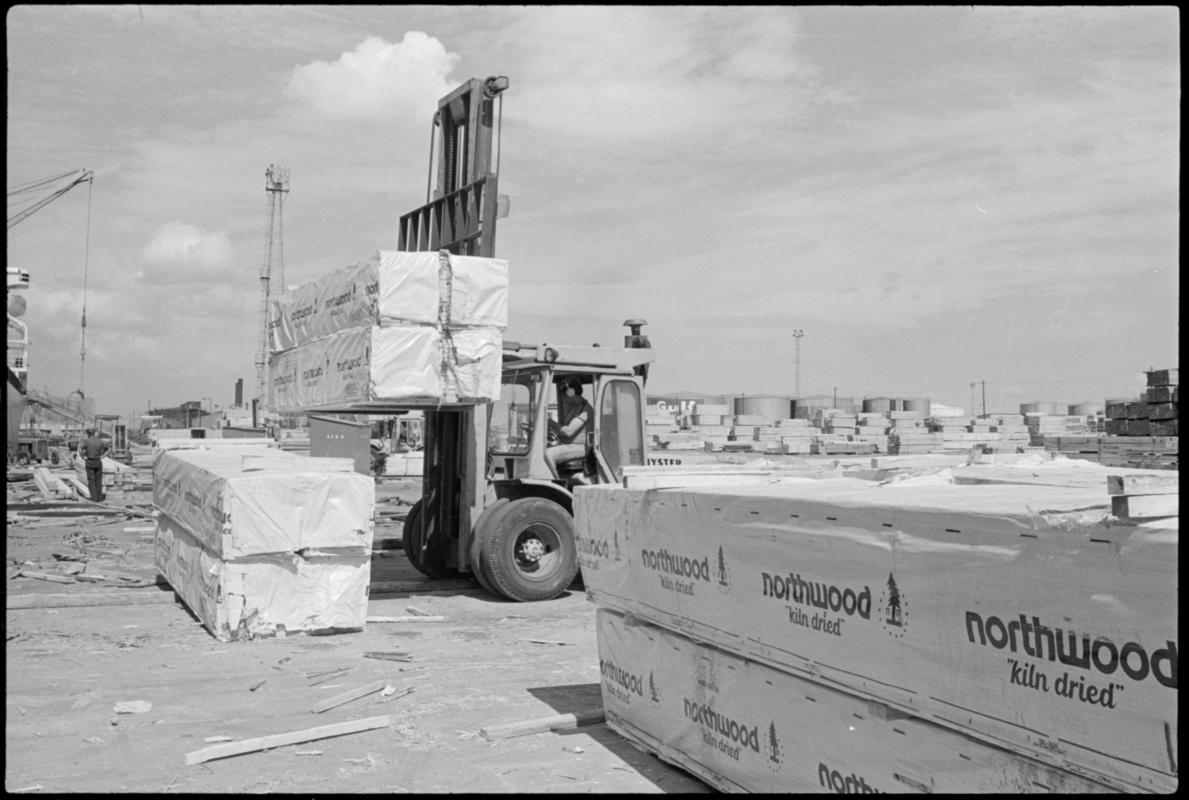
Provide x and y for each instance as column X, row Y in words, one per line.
column 86, row 261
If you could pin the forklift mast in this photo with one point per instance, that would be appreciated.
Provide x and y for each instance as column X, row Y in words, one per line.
column 459, row 216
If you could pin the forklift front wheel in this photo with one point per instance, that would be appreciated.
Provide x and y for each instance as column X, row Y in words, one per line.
column 528, row 549
column 430, row 560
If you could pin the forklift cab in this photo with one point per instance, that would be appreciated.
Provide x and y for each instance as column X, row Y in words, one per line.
column 528, row 407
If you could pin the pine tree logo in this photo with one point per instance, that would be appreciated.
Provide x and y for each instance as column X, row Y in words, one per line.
column 615, row 544
column 893, row 609
column 654, row 696
column 723, row 583
column 774, row 755
column 707, row 675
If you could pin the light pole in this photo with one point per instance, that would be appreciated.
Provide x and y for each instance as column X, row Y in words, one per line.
column 797, row 334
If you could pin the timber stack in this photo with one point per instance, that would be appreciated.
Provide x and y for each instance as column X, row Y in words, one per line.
column 243, row 547
column 775, row 631
column 1139, row 432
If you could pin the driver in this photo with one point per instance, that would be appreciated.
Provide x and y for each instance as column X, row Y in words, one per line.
column 574, row 419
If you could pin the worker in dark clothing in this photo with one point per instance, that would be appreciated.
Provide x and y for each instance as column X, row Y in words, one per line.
column 91, row 450
column 568, row 434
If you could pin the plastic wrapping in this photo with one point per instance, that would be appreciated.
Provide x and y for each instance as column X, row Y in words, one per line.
column 251, row 502
column 743, row 726
column 264, row 595
column 394, row 288
column 1025, row 616
column 415, row 364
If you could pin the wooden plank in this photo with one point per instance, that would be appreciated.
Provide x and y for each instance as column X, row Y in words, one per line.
column 423, row 585
column 394, row 656
column 1142, row 484
column 348, row 696
column 412, row 618
column 45, row 576
column 1048, row 476
column 281, row 739
column 554, row 722
column 1144, row 506
column 84, row 599
column 79, row 486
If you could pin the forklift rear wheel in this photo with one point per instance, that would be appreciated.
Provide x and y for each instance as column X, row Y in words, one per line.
column 54, row 457
column 430, row 560
column 528, row 547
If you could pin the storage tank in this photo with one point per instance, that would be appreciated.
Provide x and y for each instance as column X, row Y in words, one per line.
column 1085, row 409
column 877, row 405
column 919, row 405
column 770, row 407
column 1043, row 407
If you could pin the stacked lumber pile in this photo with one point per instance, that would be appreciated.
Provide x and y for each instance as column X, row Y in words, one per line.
column 413, row 328
column 872, row 428
column 261, row 542
column 1041, row 426
column 795, row 435
column 712, row 422
column 1144, row 432
column 919, row 635
column 116, row 476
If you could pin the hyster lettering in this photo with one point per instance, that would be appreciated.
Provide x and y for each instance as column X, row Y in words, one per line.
column 684, row 566
column 818, row 595
column 1076, row 650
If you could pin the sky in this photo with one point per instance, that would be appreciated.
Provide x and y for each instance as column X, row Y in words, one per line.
column 935, row 196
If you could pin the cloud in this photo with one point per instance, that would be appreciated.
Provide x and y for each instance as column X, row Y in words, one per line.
column 377, row 79
column 647, row 75
column 178, row 244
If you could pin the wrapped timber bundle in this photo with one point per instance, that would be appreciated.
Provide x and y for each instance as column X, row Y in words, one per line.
column 1025, row 616
column 743, row 726
column 261, row 543
column 421, row 328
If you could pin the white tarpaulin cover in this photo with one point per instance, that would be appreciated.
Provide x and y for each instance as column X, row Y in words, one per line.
column 264, row 595
column 245, row 502
column 742, row 726
column 413, row 364
column 1026, row 615
column 394, row 287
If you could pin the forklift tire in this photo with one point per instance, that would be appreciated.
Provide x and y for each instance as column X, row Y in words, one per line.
column 429, row 561
column 479, row 566
column 54, row 457
column 529, row 550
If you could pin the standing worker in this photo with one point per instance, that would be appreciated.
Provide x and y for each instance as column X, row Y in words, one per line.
column 91, row 450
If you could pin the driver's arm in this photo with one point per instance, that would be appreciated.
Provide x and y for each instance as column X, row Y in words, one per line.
column 575, row 424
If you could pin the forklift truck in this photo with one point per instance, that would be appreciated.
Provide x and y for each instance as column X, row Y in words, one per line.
column 491, row 505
